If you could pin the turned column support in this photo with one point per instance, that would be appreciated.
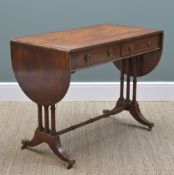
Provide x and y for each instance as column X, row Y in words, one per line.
column 53, row 120
column 134, row 95
column 128, row 81
column 129, row 67
column 48, row 135
column 122, row 81
column 40, row 124
column 46, row 129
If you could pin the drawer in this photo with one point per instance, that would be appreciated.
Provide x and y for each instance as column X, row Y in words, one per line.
column 94, row 56
column 140, row 45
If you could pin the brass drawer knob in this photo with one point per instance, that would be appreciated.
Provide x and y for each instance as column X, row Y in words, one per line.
column 131, row 47
column 149, row 44
column 109, row 52
column 88, row 58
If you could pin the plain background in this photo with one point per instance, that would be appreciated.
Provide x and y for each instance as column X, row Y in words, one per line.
column 22, row 17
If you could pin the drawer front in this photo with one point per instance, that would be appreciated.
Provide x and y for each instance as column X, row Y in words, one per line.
column 94, row 56
column 140, row 45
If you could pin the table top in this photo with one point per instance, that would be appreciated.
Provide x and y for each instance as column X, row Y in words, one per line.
column 75, row 39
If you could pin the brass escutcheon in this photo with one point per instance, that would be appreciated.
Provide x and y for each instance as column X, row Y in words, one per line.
column 87, row 58
column 109, row 52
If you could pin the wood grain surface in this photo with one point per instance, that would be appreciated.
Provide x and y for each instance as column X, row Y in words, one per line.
column 74, row 39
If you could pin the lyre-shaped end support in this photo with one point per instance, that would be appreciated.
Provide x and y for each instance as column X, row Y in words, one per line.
column 130, row 105
column 48, row 135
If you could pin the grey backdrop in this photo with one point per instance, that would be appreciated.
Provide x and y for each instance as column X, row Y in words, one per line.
column 25, row 17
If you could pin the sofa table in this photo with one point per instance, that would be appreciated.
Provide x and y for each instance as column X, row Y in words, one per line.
column 43, row 65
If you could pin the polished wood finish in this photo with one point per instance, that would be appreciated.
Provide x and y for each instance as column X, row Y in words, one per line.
column 86, row 37
column 43, row 65
column 42, row 73
column 94, row 56
column 145, row 62
column 136, row 46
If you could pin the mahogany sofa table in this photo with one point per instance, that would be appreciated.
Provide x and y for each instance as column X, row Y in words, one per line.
column 43, row 65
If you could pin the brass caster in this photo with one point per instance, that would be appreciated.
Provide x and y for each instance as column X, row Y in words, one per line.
column 70, row 164
column 150, row 127
column 24, row 144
